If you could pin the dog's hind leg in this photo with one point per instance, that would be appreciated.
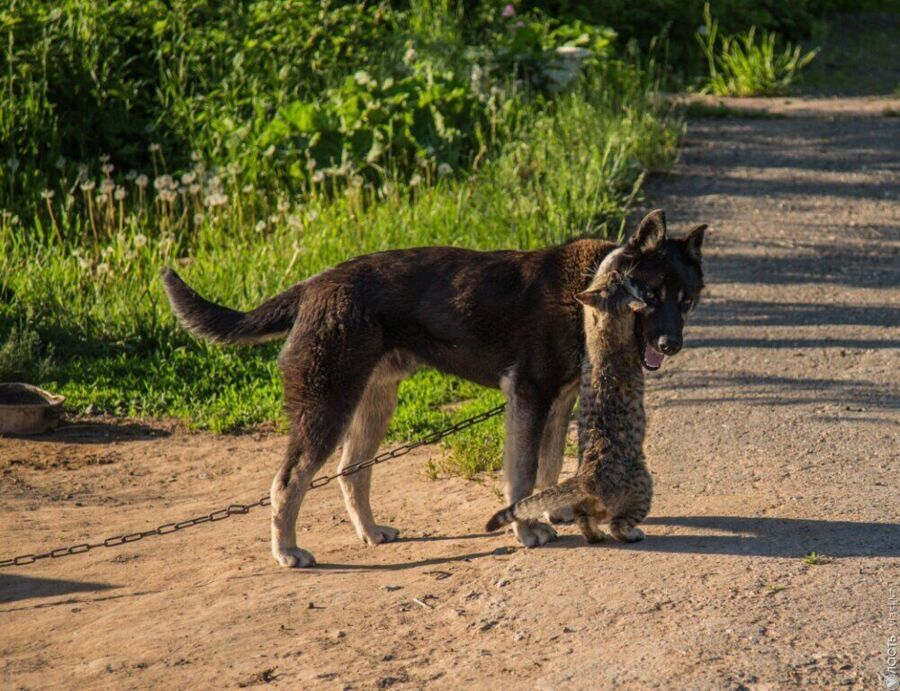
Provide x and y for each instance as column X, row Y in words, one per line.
column 553, row 445
column 324, row 378
column 367, row 429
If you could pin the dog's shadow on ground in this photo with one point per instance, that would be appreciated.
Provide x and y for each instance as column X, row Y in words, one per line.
column 15, row 587
column 735, row 535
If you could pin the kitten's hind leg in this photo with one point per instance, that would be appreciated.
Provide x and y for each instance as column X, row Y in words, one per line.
column 560, row 516
column 590, row 528
column 589, row 515
column 623, row 529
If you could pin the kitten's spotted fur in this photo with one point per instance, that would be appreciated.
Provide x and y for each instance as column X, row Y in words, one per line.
column 612, row 483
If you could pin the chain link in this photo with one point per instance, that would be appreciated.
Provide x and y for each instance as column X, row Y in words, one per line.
column 242, row 509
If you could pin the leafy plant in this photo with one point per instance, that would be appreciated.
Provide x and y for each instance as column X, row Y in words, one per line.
column 22, row 358
column 744, row 66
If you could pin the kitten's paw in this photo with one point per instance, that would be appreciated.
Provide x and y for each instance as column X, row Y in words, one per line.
column 561, row 516
column 379, row 534
column 633, row 535
column 293, row 557
column 534, row 534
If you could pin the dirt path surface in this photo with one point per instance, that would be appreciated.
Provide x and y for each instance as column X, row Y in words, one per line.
column 798, row 106
column 773, row 435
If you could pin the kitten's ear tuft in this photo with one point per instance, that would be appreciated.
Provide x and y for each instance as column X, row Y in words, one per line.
column 593, row 298
column 649, row 235
column 693, row 243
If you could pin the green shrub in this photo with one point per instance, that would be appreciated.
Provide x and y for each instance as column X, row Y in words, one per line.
column 22, row 358
column 745, row 66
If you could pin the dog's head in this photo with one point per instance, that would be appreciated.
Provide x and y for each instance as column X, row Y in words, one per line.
column 659, row 279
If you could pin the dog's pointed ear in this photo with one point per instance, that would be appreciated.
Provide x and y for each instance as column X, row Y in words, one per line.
column 693, row 243
column 650, row 234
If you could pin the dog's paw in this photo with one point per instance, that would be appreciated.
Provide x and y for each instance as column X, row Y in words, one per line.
column 381, row 533
column 534, row 534
column 561, row 516
column 294, row 558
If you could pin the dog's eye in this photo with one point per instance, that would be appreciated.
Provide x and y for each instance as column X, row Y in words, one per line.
column 650, row 296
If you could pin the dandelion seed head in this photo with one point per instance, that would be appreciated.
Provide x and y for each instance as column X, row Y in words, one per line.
column 119, row 194
column 88, row 185
column 131, row 175
column 260, row 226
column 415, row 180
column 107, row 186
column 195, row 156
column 104, row 158
column 318, row 176
column 106, row 251
column 103, row 269
column 153, row 148
column 60, row 163
column 199, row 218
column 167, row 195
column 410, row 55
column 195, row 188
column 283, row 204
column 142, row 181
column 311, row 163
column 139, row 240
column 444, row 169
column 163, row 182
column 188, row 178
column 13, row 164
column 47, row 194
column 216, row 199
column 247, row 189
column 107, row 169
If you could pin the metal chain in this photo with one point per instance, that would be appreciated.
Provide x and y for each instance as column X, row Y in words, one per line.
column 241, row 509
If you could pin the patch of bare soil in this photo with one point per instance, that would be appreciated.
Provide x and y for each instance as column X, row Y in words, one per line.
column 773, row 435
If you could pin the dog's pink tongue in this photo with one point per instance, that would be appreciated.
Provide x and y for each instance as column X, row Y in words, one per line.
column 653, row 357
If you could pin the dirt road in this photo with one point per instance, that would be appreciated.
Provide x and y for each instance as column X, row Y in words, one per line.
column 775, row 434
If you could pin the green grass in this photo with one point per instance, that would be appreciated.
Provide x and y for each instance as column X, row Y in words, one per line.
column 814, row 559
column 117, row 345
column 82, row 311
column 750, row 64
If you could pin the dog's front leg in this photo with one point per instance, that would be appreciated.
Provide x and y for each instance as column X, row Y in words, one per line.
column 526, row 416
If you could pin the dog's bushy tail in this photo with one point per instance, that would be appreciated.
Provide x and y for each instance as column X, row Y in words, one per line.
column 533, row 507
column 272, row 319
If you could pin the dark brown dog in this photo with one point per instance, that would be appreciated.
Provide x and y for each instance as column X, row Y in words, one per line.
column 503, row 319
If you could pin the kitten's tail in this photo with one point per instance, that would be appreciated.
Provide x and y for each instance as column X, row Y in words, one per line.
column 533, row 507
